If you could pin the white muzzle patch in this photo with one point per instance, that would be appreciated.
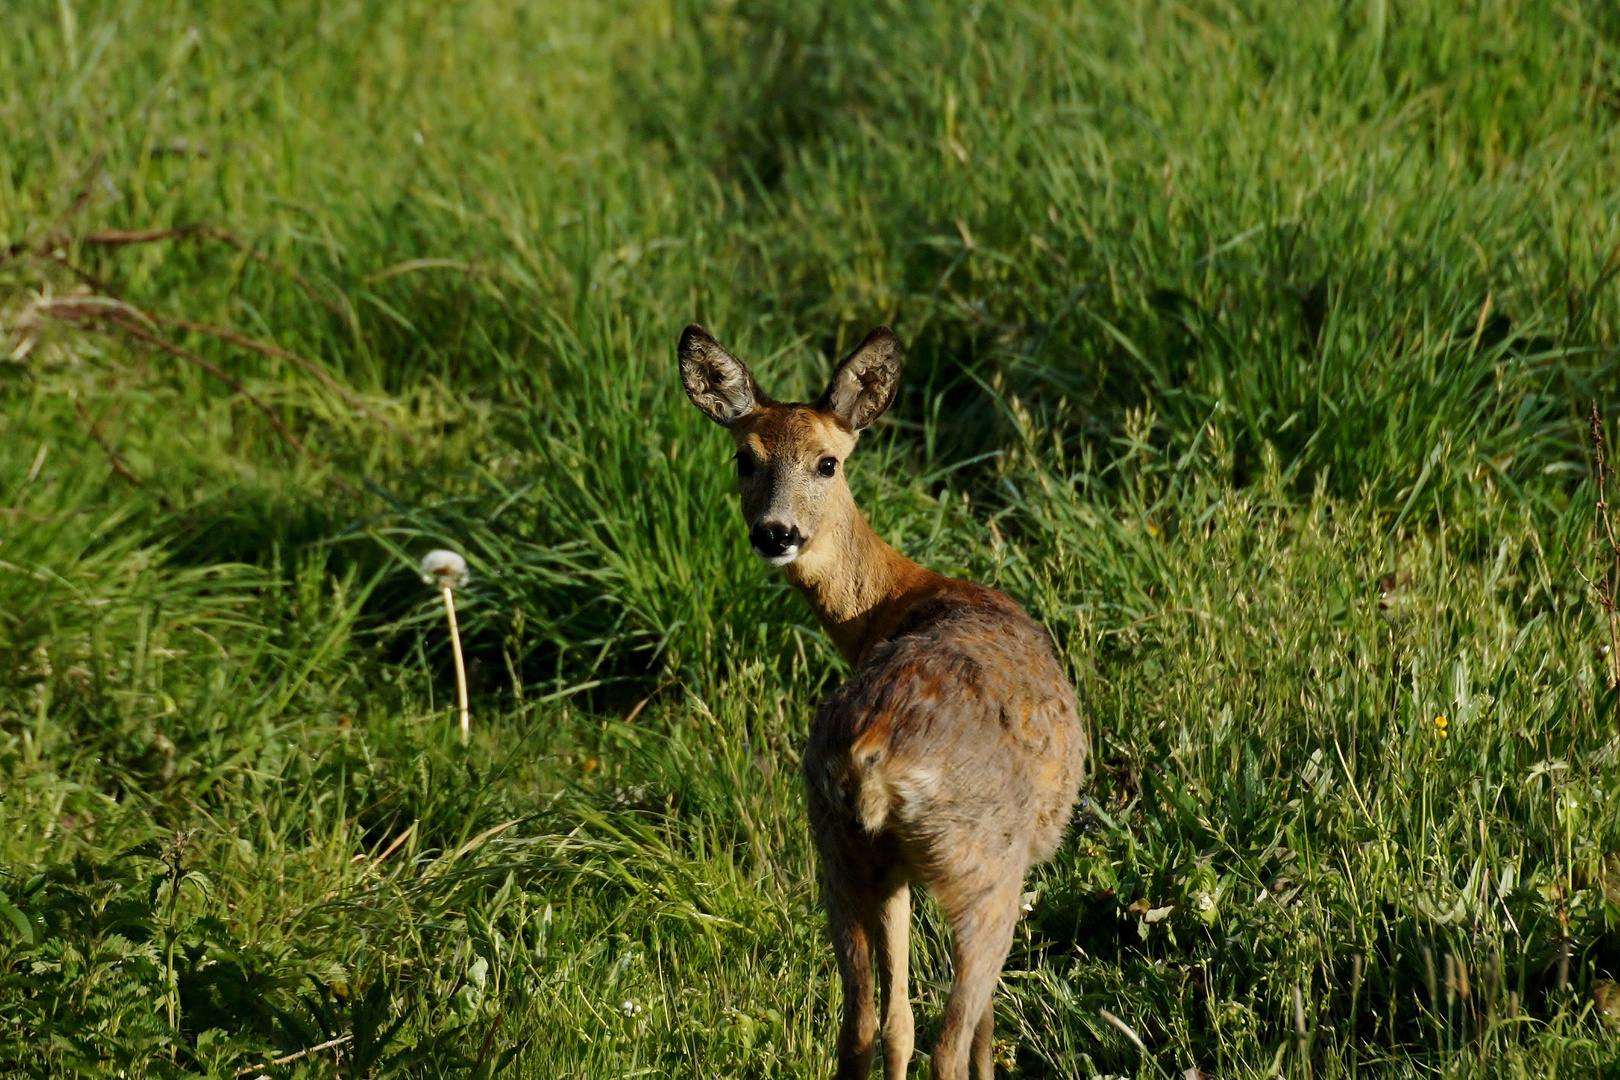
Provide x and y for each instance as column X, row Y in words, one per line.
column 783, row 559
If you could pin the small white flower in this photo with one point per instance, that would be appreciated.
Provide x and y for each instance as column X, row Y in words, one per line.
column 1205, row 901
column 444, row 569
column 630, row 1008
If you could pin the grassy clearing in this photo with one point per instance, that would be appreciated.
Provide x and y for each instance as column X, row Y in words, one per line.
column 1249, row 345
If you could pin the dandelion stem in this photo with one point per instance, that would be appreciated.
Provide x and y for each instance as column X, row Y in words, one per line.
column 461, row 667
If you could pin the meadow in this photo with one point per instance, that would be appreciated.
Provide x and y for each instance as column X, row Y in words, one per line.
column 1253, row 346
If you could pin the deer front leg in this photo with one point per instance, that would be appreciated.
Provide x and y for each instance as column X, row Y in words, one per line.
column 894, row 949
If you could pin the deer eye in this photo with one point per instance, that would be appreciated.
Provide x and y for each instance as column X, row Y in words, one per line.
column 745, row 464
column 827, row 466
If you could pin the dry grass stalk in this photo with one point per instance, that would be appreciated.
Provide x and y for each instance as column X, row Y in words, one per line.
column 1609, row 582
column 1124, row 1029
column 1429, row 980
column 1301, row 1035
column 1355, row 990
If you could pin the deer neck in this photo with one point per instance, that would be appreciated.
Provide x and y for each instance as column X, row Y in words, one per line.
column 859, row 587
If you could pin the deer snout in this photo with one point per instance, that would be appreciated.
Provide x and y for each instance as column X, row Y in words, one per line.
column 775, row 542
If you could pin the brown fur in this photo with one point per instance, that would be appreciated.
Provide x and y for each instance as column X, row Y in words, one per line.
column 952, row 755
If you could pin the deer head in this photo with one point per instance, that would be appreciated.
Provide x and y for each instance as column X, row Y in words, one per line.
column 790, row 456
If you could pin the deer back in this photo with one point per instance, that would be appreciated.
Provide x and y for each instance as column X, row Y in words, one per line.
column 957, row 732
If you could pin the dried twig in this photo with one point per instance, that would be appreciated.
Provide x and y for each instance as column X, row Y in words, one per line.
column 288, row 1059
column 79, row 309
column 103, row 312
column 264, row 347
column 93, row 309
column 489, row 1039
column 47, row 248
column 114, row 458
column 135, row 331
column 119, row 237
column 110, row 306
column 92, row 280
column 340, row 310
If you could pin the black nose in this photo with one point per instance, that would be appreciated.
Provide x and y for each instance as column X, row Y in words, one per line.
column 771, row 538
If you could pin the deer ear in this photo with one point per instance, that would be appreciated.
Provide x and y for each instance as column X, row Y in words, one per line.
column 863, row 387
column 717, row 382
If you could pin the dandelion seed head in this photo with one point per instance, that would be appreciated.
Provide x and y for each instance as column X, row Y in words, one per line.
column 444, row 569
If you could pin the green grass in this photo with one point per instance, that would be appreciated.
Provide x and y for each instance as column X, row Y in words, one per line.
column 1249, row 345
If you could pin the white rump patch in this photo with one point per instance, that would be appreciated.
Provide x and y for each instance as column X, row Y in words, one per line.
column 913, row 792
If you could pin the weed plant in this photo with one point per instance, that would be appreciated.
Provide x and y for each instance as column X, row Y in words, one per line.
column 1250, row 345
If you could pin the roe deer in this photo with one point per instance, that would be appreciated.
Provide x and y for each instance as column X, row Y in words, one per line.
column 952, row 755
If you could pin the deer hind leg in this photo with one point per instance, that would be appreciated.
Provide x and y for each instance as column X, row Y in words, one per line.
column 894, row 955
column 984, row 1043
column 854, row 923
column 983, row 929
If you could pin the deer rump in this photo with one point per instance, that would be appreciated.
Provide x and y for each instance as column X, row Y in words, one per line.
column 955, row 747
